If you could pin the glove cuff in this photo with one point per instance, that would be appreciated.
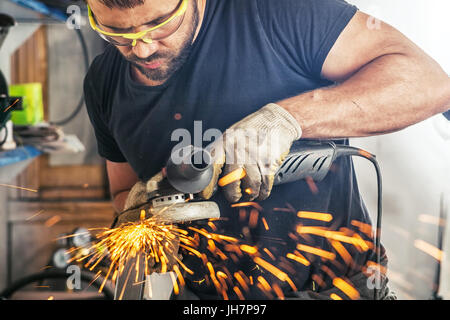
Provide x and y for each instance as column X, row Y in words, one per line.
column 277, row 114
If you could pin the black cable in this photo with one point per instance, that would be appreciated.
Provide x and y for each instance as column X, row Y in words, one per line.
column 6, row 134
column 352, row 151
column 55, row 274
column 86, row 64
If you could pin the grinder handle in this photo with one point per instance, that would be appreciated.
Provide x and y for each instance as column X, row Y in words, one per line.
column 192, row 171
column 306, row 158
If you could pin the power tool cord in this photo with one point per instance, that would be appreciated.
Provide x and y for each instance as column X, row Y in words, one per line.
column 86, row 276
column 348, row 151
column 86, row 64
column 6, row 134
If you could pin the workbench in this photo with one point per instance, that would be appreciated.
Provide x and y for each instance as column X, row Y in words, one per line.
column 12, row 163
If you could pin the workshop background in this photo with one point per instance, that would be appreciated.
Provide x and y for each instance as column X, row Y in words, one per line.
column 67, row 186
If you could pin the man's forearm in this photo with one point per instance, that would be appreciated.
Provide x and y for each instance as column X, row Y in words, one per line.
column 389, row 94
column 119, row 200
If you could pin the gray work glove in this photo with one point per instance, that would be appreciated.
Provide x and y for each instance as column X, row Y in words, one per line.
column 257, row 144
column 137, row 200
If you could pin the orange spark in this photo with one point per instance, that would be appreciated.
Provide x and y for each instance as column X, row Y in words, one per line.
column 212, row 225
column 272, row 269
column 253, row 220
column 363, row 227
column 241, row 280
column 269, row 254
column 374, row 265
column 346, row 288
column 52, row 221
column 266, row 226
column 242, row 214
column 356, row 240
column 233, row 176
column 312, row 185
column 248, row 249
column 238, row 293
column 264, row 283
column 342, row 252
column 334, row 296
column 315, row 216
column 34, row 215
column 17, row 187
column 429, row 249
column 247, row 204
column 425, row 218
column 316, row 251
column 17, row 100
column 299, row 258
column 278, row 291
column 176, row 289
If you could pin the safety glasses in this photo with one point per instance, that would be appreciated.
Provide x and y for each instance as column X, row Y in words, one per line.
column 158, row 32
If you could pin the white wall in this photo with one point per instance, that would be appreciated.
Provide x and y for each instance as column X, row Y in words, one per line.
column 415, row 162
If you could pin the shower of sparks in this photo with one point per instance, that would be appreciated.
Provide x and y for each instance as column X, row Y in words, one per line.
column 153, row 245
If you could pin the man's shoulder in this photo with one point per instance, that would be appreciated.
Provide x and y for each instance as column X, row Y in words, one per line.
column 103, row 73
column 270, row 9
column 104, row 65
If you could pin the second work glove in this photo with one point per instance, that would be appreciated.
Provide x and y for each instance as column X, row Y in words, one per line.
column 250, row 152
column 137, row 200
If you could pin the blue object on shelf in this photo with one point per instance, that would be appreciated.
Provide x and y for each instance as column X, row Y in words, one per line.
column 19, row 154
column 42, row 8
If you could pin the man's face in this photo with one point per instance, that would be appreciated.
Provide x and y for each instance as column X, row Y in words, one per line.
column 156, row 61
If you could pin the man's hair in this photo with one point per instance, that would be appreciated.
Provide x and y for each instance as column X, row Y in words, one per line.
column 121, row 3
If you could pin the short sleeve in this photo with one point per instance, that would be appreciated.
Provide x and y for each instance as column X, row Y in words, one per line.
column 304, row 31
column 107, row 146
column 447, row 115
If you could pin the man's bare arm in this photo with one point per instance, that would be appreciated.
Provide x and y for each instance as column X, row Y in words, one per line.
column 386, row 83
column 121, row 179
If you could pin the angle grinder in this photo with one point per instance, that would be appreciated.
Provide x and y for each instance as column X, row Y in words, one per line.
column 176, row 200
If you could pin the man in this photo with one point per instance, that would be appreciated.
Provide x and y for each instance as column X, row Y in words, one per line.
column 288, row 69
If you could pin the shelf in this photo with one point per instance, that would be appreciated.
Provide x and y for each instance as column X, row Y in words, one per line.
column 13, row 162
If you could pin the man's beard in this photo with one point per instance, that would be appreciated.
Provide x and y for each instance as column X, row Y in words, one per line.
column 174, row 62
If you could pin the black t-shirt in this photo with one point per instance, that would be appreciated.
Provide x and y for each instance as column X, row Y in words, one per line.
column 248, row 53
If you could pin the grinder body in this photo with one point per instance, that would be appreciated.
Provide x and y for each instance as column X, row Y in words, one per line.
column 187, row 175
column 306, row 159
